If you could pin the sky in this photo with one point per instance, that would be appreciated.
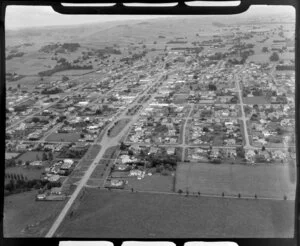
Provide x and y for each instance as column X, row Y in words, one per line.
column 18, row 17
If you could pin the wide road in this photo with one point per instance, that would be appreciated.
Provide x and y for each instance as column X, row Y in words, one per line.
column 106, row 142
column 243, row 118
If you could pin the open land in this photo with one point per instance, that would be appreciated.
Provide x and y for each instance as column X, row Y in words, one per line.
column 273, row 181
column 198, row 217
column 24, row 217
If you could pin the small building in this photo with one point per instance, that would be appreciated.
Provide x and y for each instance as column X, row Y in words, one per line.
column 54, row 178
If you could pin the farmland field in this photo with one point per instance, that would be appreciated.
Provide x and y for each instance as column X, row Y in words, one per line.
column 121, row 214
column 272, row 181
column 63, row 137
column 25, row 217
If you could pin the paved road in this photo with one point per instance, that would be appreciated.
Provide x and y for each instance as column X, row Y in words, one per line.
column 184, row 144
column 243, row 118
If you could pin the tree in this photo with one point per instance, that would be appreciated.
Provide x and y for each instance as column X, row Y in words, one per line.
column 212, row 87
column 265, row 49
column 14, row 176
column 123, row 146
column 44, row 157
column 279, row 130
column 240, row 152
column 205, row 129
column 50, row 156
column 19, row 162
column 35, row 119
column 27, row 163
column 274, row 57
column 263, row 148
column 19, row 86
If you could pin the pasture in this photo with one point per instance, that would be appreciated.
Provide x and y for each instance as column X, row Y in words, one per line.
column 121, row 214
column 271, row 181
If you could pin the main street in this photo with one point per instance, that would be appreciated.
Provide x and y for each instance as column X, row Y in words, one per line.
column 106, row 142
column 243, row 118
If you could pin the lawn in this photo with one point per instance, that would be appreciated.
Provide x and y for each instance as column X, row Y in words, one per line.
column 111, row 214
column 255, row 100
column 111, row 152
column 97, row 173
column 273, row 181
column 93, row 152
column 31, row 156
column 118, row 127
column 63, row 137
column 25, row 217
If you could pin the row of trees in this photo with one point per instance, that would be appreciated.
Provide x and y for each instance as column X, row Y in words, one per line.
column 15, row 176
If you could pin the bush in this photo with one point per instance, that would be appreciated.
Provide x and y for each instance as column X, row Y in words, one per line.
column 274, row 57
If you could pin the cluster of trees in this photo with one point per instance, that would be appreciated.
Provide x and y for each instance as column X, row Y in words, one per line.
column 37, row 120
column 17, row 54
column 134, row 57
column 62, row 65
column 60, row 48
column 274, row 57
column 47, row 156
column 19, row 185
column 51, row 91
column 72, row 153
column 176, row 42
column 265, row 50
column 212, row 87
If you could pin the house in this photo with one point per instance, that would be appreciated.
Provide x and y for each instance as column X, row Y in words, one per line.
column 56, row 190
column 135, row 172
column 36, row 163
column 54, row 178
column 171, row 150
column 249, row 156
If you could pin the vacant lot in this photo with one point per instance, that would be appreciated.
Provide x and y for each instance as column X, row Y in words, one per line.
column 63, row 137
column 25, row 217
column 255, row 100
column 124, row 214
column 272, row 181
column 31, row 156
column 156, row 182
column 118, row 127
